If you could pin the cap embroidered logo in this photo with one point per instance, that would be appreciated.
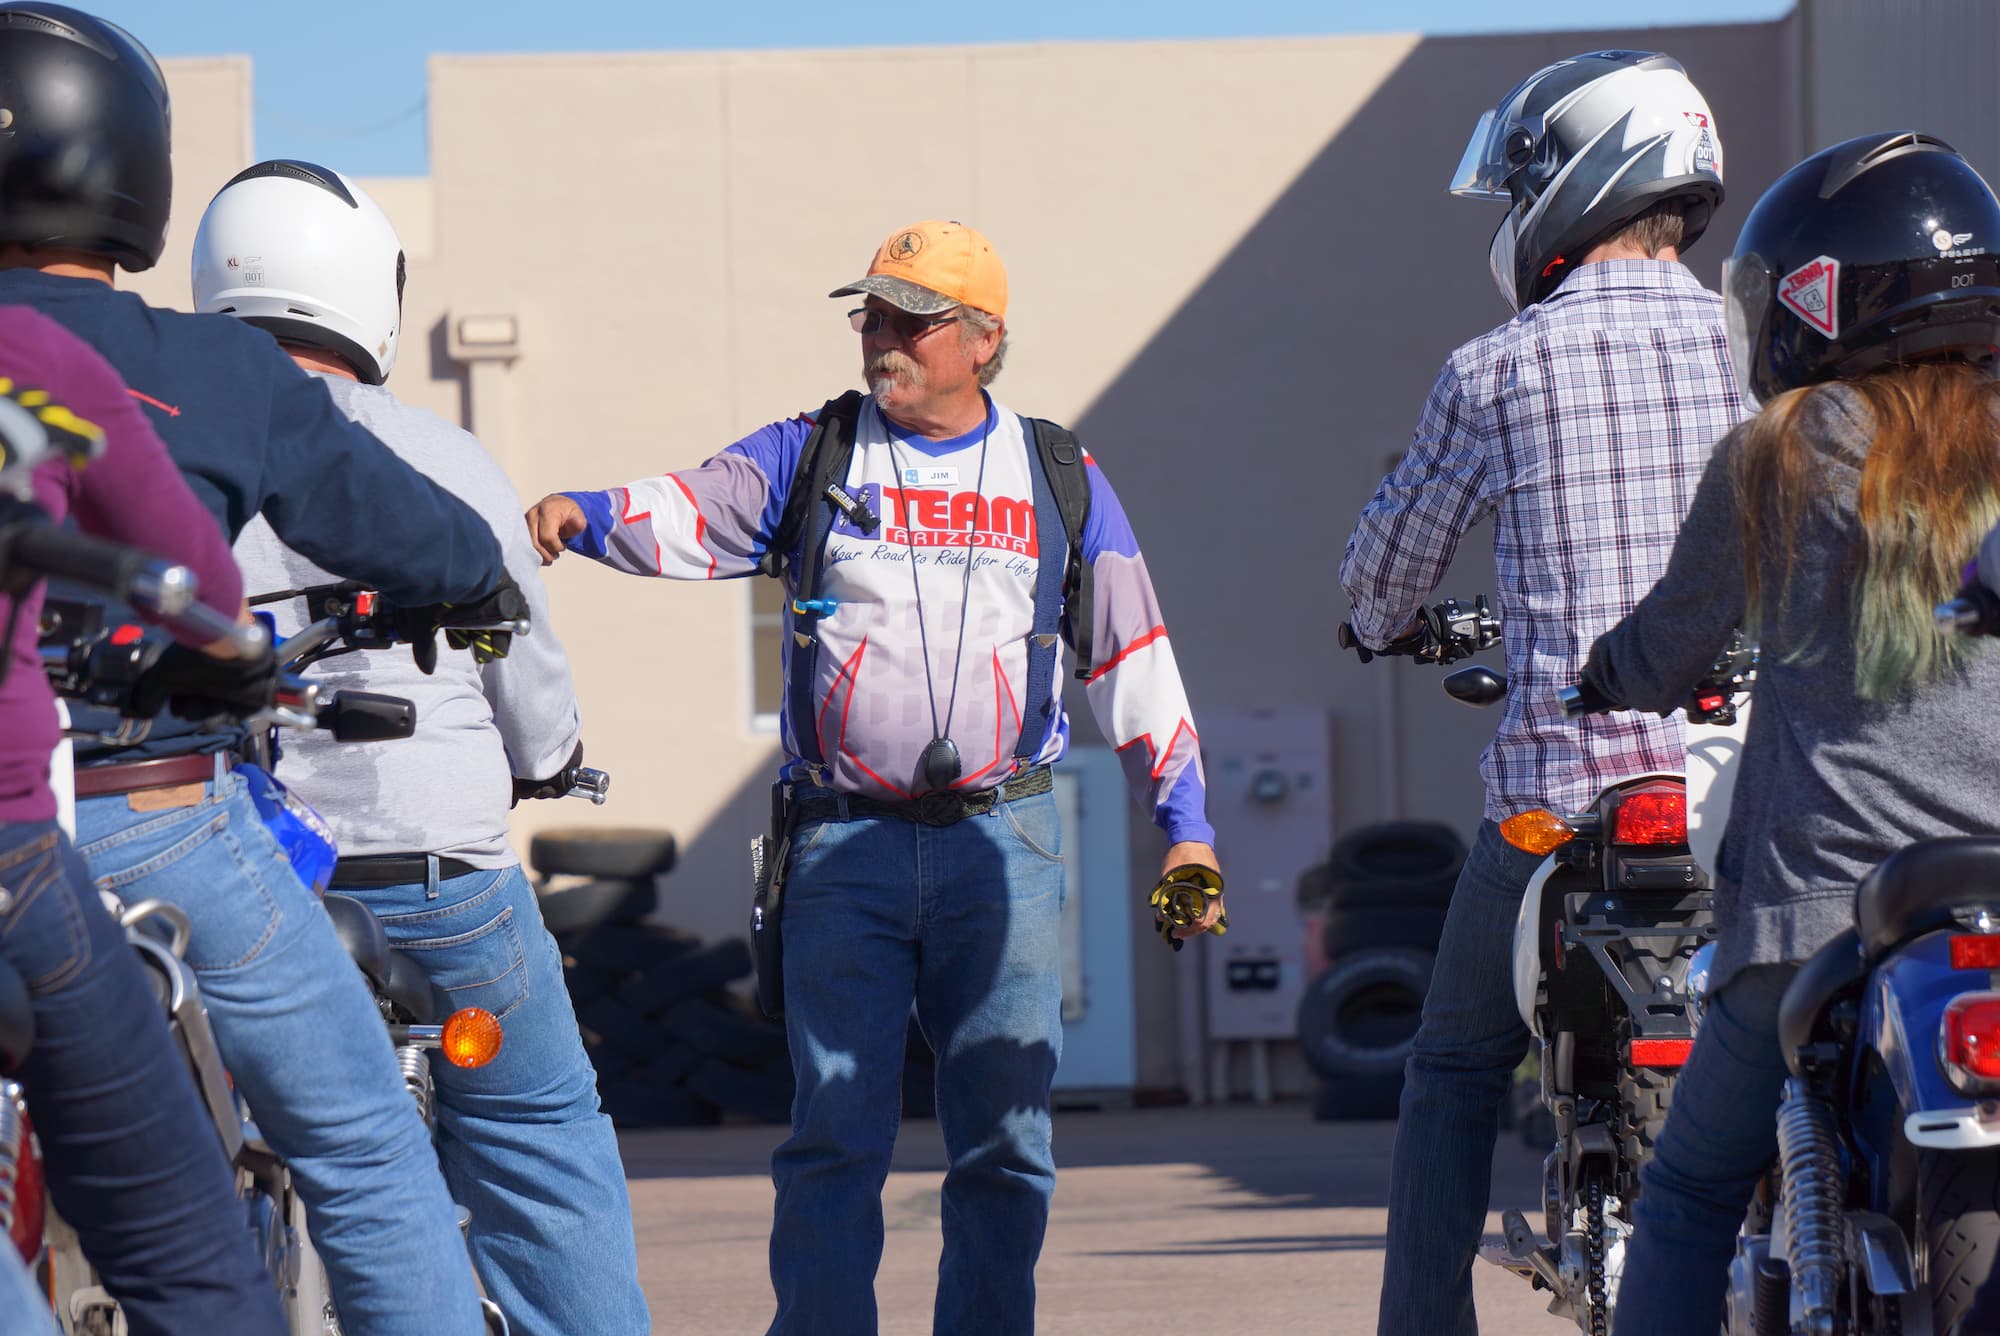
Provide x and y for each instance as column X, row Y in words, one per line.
column 1809, row 292
column 905, row 247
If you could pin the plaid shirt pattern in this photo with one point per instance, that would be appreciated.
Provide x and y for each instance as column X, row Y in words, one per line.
column 1580, row 428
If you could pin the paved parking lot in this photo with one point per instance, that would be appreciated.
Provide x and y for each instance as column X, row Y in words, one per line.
column 1216, row 1220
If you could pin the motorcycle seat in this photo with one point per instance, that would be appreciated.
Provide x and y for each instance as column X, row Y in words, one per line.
column 1925, row 887
column 361, row 933
column 1830, row 972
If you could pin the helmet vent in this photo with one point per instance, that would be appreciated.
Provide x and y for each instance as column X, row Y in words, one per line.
column 311, row 174
column 293, row 310
column 1841, row 173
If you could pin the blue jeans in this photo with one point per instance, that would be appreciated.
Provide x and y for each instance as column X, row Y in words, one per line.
column 133, row 1162
column 1469, row 1042
column 524, row 1146
column 961, row 919
column 307, row 1048
column 1721, row 1136
column 24, row 1310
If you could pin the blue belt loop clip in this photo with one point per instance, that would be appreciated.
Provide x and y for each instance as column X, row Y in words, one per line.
column 818, row 607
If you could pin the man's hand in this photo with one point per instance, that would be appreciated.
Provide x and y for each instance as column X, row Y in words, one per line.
column 486, row 627
column 1191, row 853
column 197, row 686
column 1410, row 641
column 552, row 522
column 556, row 785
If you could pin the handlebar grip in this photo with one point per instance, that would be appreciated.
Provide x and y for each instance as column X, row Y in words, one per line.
column 1582, row 699
column 112, row 568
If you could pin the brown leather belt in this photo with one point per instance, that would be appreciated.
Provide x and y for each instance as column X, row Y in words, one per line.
column 96, row 781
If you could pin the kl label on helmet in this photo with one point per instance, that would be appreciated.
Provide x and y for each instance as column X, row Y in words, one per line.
column 1808, row 292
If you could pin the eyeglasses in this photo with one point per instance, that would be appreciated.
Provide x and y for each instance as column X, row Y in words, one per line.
column 906, row 327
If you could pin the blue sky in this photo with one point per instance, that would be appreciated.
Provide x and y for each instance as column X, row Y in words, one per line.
column 344, row 82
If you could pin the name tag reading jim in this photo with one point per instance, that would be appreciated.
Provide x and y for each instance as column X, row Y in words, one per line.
column 931, row 475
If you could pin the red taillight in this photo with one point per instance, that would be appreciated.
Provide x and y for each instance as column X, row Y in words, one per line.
column 21, row 1178
column 364, row 603
column 1656, row 815
column 1969, row 1037
column 1661, row 1052
column 1710, row 703
column 1976, row 952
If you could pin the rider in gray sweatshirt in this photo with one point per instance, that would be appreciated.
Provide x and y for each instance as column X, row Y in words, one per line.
column 421, row 822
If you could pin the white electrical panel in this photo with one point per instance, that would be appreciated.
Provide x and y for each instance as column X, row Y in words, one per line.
column 1270, row 799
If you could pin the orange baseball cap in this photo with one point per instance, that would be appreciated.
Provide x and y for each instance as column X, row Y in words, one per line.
column 933, row 266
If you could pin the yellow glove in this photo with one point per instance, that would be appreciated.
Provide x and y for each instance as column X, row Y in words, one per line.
column 1181, row 900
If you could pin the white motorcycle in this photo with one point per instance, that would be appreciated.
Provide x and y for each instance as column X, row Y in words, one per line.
column 1608, row 958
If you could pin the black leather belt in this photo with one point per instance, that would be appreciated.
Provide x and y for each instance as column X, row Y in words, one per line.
column 932, row 809
column 395, row 870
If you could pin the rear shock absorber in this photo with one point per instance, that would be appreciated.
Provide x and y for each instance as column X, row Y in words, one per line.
column 415, row 1064
column 1809, row 1153
column 13, row 1148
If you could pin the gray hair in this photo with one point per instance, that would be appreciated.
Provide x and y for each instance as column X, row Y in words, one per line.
column 973, row 323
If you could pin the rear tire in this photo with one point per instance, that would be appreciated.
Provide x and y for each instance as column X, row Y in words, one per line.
column 1644, row 1094
column 1958, row 1229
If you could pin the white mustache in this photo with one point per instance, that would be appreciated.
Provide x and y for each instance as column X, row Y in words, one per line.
column 893, row 363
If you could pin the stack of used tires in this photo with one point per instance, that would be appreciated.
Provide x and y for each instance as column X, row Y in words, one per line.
column 672, row 1043
column 1377, row 909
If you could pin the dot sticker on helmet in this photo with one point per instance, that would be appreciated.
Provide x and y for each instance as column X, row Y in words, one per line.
column 1809, row 293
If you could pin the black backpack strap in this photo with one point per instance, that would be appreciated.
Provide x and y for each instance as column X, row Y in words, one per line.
column 805, row 524
column 1069, row 478
column 1062, row 503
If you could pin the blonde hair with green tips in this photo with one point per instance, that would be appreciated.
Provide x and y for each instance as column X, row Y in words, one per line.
column 1930, row 490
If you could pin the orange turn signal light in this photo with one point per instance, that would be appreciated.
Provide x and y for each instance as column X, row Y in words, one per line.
column 1537, row 832
column 471, row 1037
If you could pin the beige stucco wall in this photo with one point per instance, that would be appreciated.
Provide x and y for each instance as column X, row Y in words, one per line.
column 1233, row 267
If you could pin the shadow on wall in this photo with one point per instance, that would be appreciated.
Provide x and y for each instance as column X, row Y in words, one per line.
column 1246, row 436
column 708, row 892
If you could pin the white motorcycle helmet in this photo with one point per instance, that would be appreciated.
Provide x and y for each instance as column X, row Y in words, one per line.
column 303, row 252
column 1579, row 150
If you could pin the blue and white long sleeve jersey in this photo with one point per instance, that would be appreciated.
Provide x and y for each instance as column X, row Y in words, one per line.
column 1581, row 426
column 872, row 694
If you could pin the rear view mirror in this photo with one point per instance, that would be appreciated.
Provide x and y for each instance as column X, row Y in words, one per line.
column 1477, row 686
column 365, row 716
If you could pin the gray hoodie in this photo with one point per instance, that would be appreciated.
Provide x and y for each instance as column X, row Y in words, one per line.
column 446, row 790
column 1830, row 784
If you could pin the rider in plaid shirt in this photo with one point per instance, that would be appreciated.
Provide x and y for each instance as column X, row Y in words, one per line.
column 1581, row 427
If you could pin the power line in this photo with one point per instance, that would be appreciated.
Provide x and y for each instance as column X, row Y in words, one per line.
column 263, row 110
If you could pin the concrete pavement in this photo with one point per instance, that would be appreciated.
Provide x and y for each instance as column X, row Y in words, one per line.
column 1214, row 1220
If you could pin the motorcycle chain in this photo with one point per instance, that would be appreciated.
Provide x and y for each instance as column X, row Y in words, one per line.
column 1593, row 1253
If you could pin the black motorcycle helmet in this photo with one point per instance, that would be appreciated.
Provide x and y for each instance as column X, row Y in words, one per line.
column 1881, row 250
column 84, row 136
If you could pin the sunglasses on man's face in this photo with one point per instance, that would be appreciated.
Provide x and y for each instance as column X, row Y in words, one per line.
column 909, row 328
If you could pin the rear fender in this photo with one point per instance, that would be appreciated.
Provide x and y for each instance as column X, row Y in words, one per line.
column 1902, row 1013
column 1713, row 754
column 1528, row 946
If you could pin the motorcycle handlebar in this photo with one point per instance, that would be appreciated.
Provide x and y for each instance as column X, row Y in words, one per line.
column 1582, row 699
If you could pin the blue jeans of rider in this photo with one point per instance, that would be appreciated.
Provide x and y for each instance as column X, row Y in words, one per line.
column 1469, row 1042
column 133, row 1162
column 303, row 1041
column 963, row 920
column 524, row 1145
column 23, row 1309
column 1721, row 1135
